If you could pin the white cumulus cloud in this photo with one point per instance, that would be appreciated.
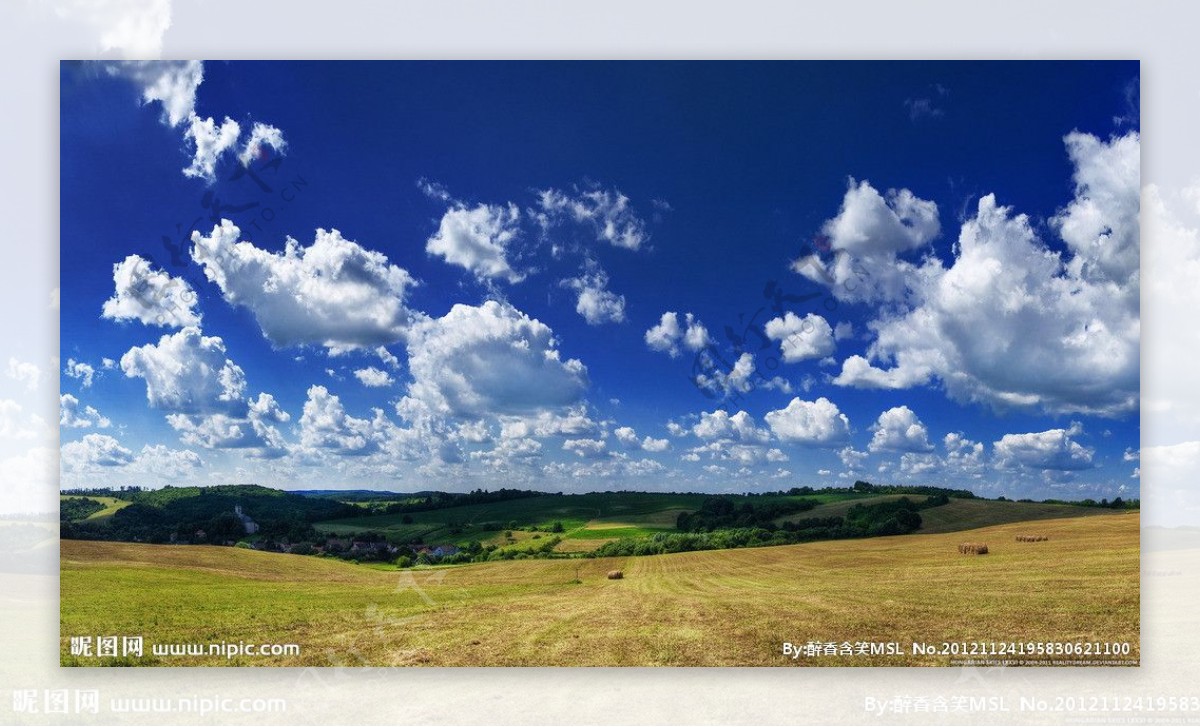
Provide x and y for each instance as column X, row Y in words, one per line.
column 94, row 450
column 334, row 293
column 1010, row 323
column 899, row 430
column 801, row 338
column 866, row 236
column 668, row 334
column 373, row 377
column 151, row 296
column 595, row 302
column 489, row 359
column 720, row 424
column 813, row 423
column 75, row 415
column 478, row 239
column 1054, row 449
column 188, row 373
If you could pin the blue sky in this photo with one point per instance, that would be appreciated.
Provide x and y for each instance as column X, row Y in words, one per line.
column 930, row 271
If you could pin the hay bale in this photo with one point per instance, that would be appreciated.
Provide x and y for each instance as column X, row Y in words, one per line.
column 615, row 575
column 973, row 549
column 1032, row 538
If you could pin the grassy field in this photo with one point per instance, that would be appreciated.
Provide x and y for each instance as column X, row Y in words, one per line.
column 111, row 505
column 730, row 607
column 968, row 514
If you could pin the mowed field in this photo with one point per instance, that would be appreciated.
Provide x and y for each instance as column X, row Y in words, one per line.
column 111, row 505
column 729, row 607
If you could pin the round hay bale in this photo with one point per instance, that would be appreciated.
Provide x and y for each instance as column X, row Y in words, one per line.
column 615, row 575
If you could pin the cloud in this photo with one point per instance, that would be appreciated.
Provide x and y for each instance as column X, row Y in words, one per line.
column 899, row 430
column 81, row 371
column 667, row 335
column 812, row 423
column 188, row 373
column 489, row 359
column 94, row 450
column 333, row 293
column 586, row 447
column 172, row 84
column 866, row 236
column 595, row 302
column 917, row 464
column 801, row 338
column 434, row 190
column 1011, row 325
column 629, row 437
column 963, row 455
column 388, row 358
column 253, row 431
column 720, row 424
column 15, row 425
column 858, row 372
column 608, row 212
column 922, row 108
column 373, row 377
column 76, row 416
column 870, row 224
column 261, row 135
column 24, row 372
column 478, row 239
column 509, row 451
column 743, row 454
column 150, row 296
column 1054, row 449
column 1100, row 225
column 325, row 425
column 926, row 107
column 209, row 142
column 737, row 381
column 852, row 459
column 650, row 444
column 573, row 421
column 167, row 463
column 626, row 435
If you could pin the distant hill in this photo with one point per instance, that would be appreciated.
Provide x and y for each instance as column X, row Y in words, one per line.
column 360, row 494
column 507, row 523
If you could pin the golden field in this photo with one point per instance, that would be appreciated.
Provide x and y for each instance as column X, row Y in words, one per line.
column 710, row 608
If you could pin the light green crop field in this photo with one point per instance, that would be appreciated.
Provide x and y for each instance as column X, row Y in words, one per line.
column 594, row 518
column 711, row 608
column 111, row 505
